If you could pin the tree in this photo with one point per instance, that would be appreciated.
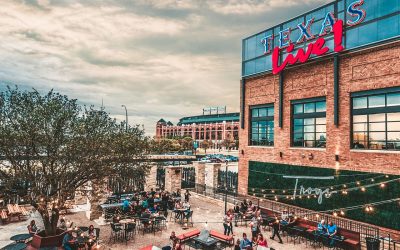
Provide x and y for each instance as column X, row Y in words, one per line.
column 54, row 147
column 205, row 145
column 186, row 143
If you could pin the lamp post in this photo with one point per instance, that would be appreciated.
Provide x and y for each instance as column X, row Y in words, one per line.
column 226, row 185
column 126, row 117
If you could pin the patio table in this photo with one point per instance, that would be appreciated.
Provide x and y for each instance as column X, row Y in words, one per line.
column 15, row 246
column 20, row 237
column 208, row 243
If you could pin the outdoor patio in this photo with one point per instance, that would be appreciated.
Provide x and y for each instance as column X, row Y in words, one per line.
column 205, row 210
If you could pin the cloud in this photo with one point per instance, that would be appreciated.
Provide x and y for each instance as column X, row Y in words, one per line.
column 251, row 7
column 162, row 58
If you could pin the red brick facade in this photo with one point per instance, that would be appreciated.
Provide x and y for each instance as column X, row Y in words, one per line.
column 373, row 68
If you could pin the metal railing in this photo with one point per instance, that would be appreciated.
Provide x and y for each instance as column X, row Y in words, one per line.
column 233, row 197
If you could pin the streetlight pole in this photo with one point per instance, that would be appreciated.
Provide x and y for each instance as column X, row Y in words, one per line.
column 226, row 185
column 126, row 117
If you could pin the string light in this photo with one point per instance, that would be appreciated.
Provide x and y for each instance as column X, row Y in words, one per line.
column 382, row 185
column 358, row 183
column 344, row 185
column 335, row 214
column 372, row 180
column 363, row 189
column 342, row 212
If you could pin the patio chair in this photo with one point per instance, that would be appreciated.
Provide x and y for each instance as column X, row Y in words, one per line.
column 116, row 233
column 189, row 218
column 130, row 230
column 293, row 234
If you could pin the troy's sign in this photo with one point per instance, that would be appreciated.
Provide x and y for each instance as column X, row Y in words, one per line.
column 318, row 48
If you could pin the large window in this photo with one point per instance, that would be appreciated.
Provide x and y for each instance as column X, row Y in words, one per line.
column 309, row 123
column 262, row 125
column 376, row 120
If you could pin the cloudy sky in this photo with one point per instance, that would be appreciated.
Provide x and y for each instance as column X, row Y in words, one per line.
column 161, row 58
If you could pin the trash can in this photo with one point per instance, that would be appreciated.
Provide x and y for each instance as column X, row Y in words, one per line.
column 372, row 243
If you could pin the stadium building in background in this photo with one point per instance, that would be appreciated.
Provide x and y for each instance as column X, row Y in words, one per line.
column 214, row 124
column 320, row 98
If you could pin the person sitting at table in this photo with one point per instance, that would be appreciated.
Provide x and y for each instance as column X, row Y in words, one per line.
column 257, row 212
column 145, row 203
column 153, row 209
column 91, row 231
column 332, row 231
column 250, row 207
column 172, row 239
column 178, row 245
column 178, row 213
column 291, row 220
column 32, row 228
column 261, row 241
column 186, row 205
column 284, row 215
column 237, row 214
column 244, row 243
column 125, row 206
column 68, row 242
column 63, row 225
column 237, row 245
column 321, row 227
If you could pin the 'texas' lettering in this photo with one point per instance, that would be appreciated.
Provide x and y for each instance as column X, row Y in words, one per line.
column 317, row 48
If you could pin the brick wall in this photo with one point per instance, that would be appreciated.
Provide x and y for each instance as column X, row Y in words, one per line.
column 369, row 69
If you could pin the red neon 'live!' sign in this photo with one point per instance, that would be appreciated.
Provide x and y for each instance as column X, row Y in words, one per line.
column 317, row 48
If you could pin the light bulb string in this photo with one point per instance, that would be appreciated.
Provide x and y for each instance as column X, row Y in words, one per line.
column 353, row 207
column 341, row 190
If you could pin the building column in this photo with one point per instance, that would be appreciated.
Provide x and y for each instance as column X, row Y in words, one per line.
column 173, row 178
column 211, row 176
column 224, row 131
column 151, row 178
column 200, row 171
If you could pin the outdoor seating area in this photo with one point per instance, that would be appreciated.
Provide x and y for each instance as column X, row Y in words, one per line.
column 13, row 212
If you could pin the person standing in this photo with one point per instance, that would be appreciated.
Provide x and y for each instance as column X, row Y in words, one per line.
column 187, row 195
column 226, row 224
column 254, row 229
column 276, row 228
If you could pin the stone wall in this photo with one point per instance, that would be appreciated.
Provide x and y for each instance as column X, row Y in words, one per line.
column 173, row 178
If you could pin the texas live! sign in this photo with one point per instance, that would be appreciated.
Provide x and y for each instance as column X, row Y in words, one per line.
column 330, row 24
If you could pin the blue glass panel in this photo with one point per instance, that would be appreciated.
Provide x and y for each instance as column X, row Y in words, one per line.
column 367, row 33
column 388, row 27
column 251, row 45
column 388, row 7
column 249, row 67
column 268, row 62
column 260, row 64
column 341, row 4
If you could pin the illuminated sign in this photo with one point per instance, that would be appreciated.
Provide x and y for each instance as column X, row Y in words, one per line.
column 320, row 193
column 330, row 24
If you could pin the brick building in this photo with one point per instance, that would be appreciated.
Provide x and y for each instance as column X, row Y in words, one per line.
column 338, row 112
column 214, row 127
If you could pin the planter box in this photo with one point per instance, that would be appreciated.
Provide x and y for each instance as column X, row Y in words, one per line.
column 39, row 241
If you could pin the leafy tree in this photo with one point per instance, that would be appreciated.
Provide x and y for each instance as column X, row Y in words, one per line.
column 206, row 144
column 52, row 147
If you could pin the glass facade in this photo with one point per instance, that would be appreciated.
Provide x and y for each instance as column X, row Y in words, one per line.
column 309, row 123
column 376, row 121
column 382, row 22
column 262, row 125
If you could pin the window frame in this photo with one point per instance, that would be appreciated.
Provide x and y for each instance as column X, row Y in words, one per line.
column 303, row 116
column 371, row 111
column 258, row 119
